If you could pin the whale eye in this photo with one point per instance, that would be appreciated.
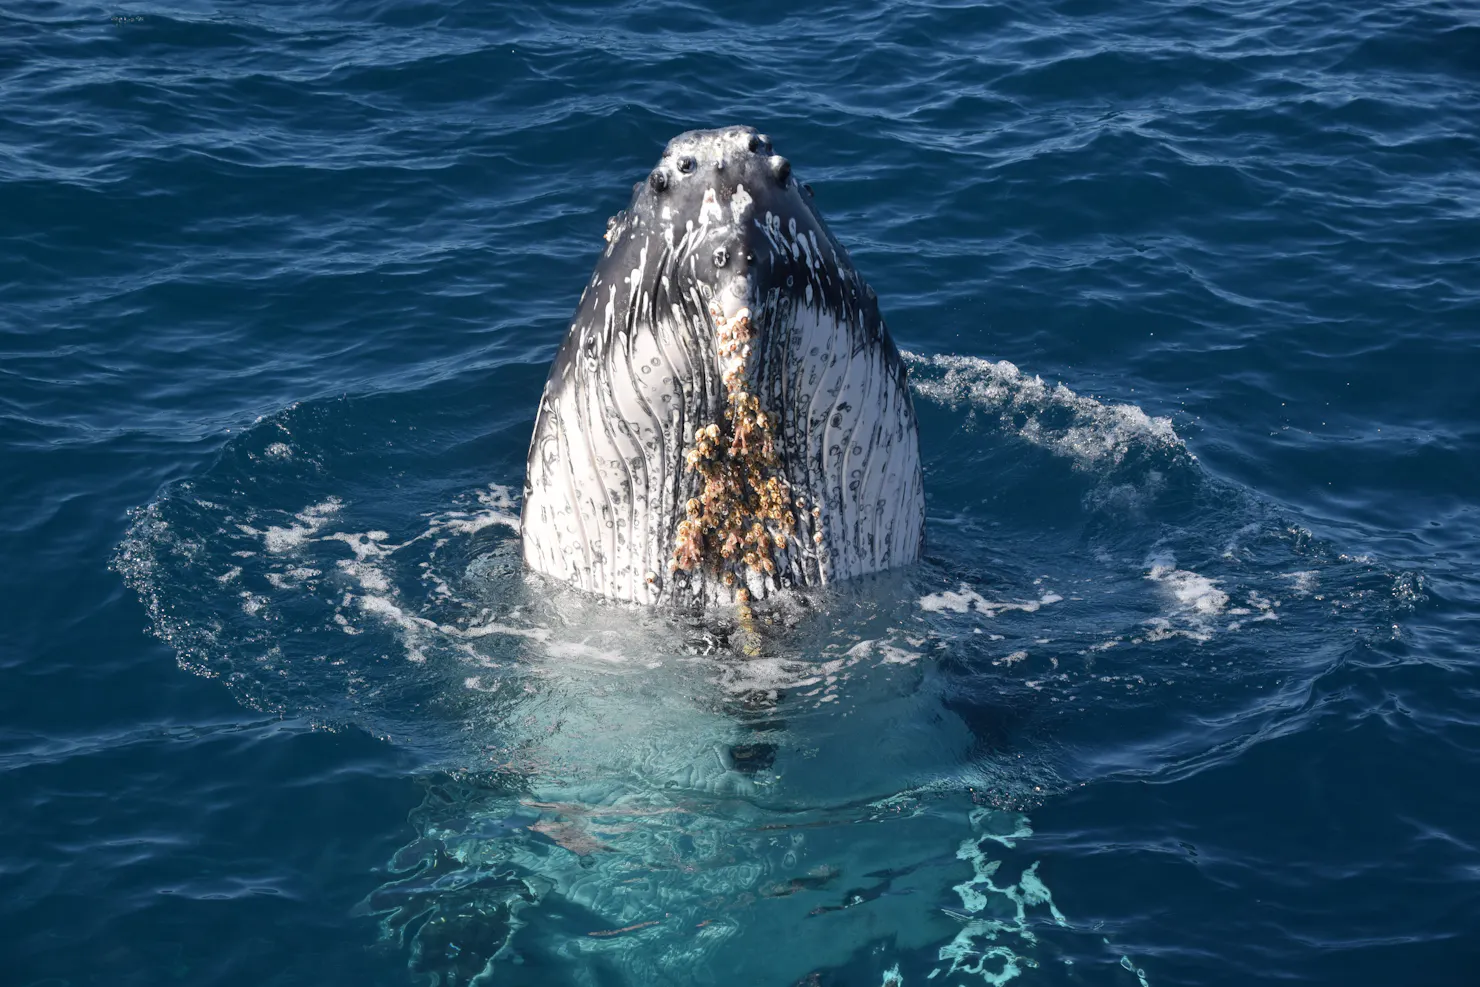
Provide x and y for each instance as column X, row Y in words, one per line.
column 760, row 144
column 721, row 256
column 781, row 168
column 809, row 189
column 658, row 180
column 687, row 164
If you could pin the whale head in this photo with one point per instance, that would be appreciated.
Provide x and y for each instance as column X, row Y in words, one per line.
column 727, row 417
column 746, row 226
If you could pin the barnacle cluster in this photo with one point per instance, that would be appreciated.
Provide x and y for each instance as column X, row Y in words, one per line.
column 744, row 511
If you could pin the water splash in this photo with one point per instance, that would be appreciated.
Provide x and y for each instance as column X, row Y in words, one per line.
column 1090, row 433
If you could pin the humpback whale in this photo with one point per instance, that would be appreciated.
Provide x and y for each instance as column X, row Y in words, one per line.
column 727, row 418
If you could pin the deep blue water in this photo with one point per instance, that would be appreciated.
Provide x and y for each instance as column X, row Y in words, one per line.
column 1185, row 691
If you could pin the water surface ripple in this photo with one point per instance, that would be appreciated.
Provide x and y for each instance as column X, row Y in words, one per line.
column 1183, row 692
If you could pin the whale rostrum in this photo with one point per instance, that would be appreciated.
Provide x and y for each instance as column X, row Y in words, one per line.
column 727, row 417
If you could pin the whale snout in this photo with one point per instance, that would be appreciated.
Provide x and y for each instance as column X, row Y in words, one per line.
column 731, row 157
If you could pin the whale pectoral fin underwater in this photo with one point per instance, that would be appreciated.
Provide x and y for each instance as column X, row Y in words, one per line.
column 727, row 417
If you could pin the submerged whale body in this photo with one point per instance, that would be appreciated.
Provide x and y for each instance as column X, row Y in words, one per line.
column 727, row 417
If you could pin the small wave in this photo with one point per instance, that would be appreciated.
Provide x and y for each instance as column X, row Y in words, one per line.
column 1091, row 433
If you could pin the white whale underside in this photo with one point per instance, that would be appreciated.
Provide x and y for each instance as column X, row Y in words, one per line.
column 607, row 477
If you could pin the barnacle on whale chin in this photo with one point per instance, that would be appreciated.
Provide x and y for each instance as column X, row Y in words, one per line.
column 745, row 508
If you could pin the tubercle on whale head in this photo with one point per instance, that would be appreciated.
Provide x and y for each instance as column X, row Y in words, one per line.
column 713, row 192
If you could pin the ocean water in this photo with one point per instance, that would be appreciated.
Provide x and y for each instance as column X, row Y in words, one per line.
column 1183, row 692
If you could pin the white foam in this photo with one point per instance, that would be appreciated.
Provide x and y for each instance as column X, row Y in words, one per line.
column 958, row 602
column 370, row 578
column 888, row 654
column 1303, row 582
column 966, row 600
column 410, row 624
column 493, row 627
column 1161, row 629
column 470, row 524
column 1191, row 591
column 569, row 650
column 499, row 508
column 374, row 591
column 292, row 577
column 387, row 610
column 365, row 545
column 1096, row 433
column 312, row 519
